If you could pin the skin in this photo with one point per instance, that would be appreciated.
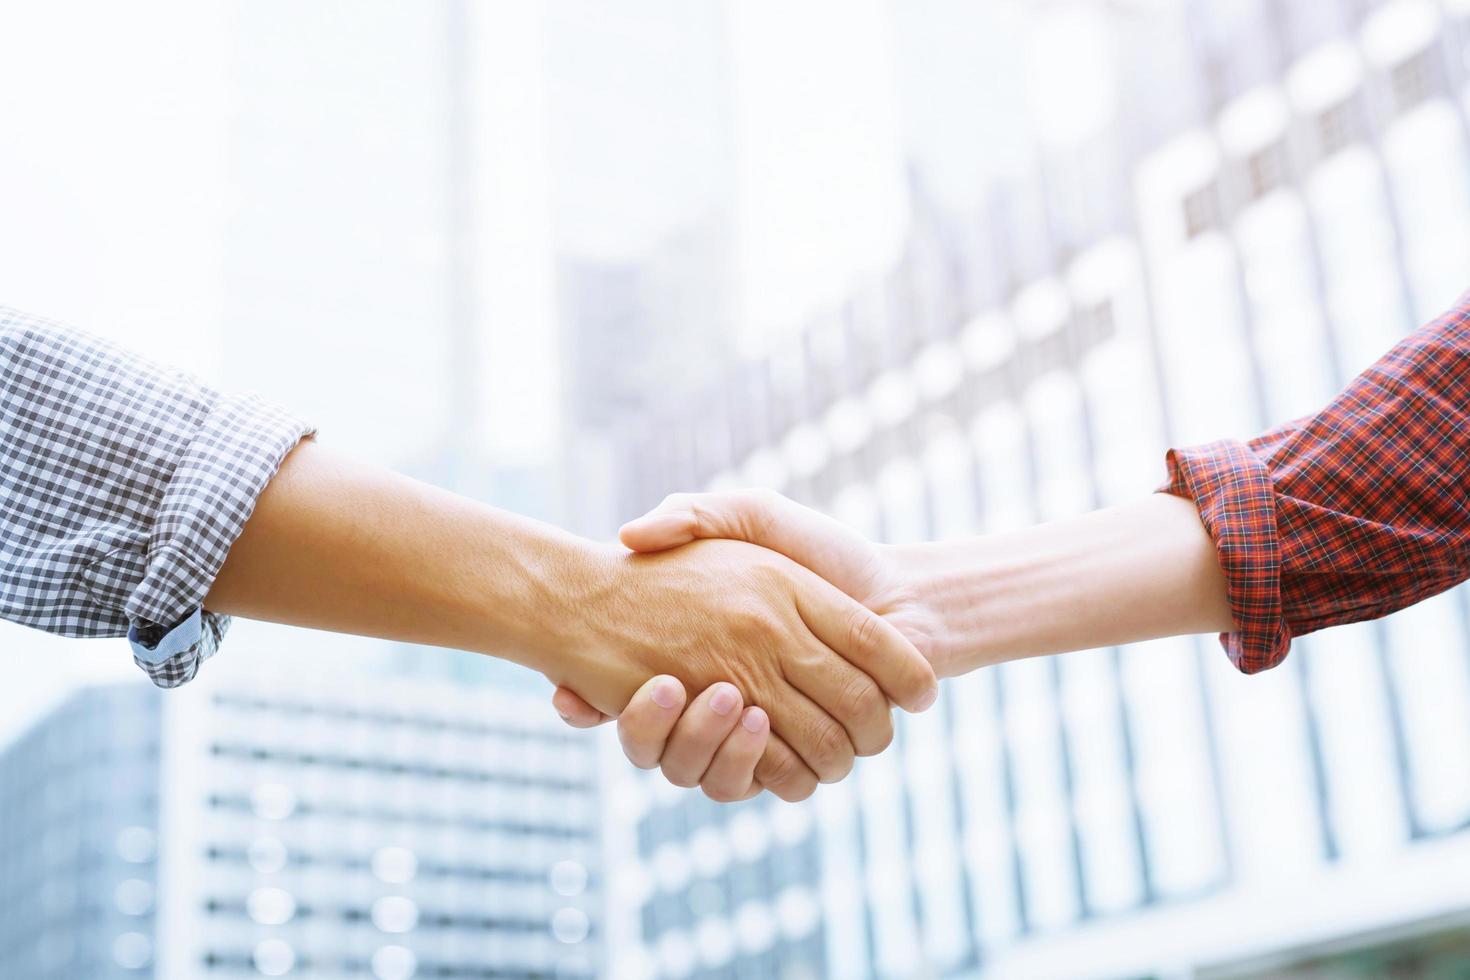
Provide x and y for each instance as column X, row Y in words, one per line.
column 712, row 743
column 338, row 545
column 1136, row 572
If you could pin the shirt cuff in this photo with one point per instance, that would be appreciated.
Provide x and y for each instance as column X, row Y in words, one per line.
column 180, row 639
column 1232, row 489
column 236, row 451
column 176, row 657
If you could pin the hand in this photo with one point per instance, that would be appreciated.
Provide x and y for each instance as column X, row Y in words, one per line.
column 816, row 661
column 1137, row 571
column 873, row 574
column 348, row 547
column 713, row 744
column 870, row 573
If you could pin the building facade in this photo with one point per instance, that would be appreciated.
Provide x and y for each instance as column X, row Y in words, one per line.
column 79, row 798
column 371, row 828
column 1132, row 811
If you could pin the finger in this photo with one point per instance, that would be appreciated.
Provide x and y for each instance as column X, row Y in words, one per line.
column 847, row 694
column 698, row 735
column 815, row 736
column 743, row 515
column 576, row 712
column 646, row 722
column 731, row 774
column 871, row 644
column 658, row 530
column 833, row 550
column 781, row 771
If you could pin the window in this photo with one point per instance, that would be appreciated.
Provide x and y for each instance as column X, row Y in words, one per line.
column 1414, row 80
column 1266, row 170
column 1094, row 326
column 1340, row 126
column 1201, row 211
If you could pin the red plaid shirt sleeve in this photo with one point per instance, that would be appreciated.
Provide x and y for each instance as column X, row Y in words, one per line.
column 1348, row 514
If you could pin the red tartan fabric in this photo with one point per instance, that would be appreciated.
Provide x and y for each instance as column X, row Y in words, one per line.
column 1348, row 514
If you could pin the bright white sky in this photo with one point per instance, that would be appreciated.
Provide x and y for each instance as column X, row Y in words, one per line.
column 98, row 231
column 182, row 175
column 820, row 182
column 110, row 174
column 810, row 162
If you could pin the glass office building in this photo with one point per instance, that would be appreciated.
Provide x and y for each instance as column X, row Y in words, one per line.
column 368, row 828
column 79, row 798
column 1300, row 201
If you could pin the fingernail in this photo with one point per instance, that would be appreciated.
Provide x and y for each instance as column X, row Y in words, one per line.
column 927, row 701
column 754, row 721
column 666, row 693
column 724, row 699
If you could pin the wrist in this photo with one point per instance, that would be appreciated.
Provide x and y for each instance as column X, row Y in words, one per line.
column 1133, row 572
column 591, row 634
column 563, row 620
column 525, row 597
column 927, row 604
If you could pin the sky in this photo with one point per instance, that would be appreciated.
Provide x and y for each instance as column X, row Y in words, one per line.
column 257, row 192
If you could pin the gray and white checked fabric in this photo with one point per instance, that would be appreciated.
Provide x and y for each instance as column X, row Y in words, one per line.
column 123, row 485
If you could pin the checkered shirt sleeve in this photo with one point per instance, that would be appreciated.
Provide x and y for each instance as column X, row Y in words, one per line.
column 123, row 485
column 1348, row 514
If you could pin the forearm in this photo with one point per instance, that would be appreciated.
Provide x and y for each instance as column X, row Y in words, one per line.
column 339, row 545
column 1135, row 572
column 342, row 546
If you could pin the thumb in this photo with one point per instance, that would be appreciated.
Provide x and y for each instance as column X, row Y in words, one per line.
column 666, row 526
column 740, row 515
column 824, row 545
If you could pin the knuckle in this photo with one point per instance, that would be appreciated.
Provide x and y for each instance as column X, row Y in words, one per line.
column 867, row 716
column 860, row 700
column 720, row 793
column 780, row 771
column 797, row 789
column 680, row 778
column 704, row 518
column 753, row 624
column 642, row 756
column 761, row 618
column 862, row 630
column 883, row 739
column 832, row 752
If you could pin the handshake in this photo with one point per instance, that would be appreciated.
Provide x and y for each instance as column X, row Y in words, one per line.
column 800, row 634
column 793, row 634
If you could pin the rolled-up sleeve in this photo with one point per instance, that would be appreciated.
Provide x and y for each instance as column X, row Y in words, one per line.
column 1348, row 514
column 123, row 485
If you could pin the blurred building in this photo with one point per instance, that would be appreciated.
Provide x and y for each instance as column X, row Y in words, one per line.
column 373, row 828
column 1294, row 196
column 646, row 241
column 79, row 808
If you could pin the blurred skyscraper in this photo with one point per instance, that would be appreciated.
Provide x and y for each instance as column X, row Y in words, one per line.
column 363, row 828
column 79, row 810
column 643, row 151
column 1287, row 195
